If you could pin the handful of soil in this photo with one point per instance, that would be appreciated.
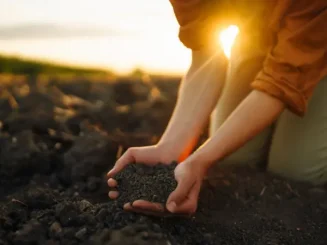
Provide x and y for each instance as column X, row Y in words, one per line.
column 150, row 183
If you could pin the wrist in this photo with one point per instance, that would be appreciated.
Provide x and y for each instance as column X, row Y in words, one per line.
column 200, row 162
column 168, row 151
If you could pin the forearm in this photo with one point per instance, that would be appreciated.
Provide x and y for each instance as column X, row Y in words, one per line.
column 253, row 115
column 198, row 94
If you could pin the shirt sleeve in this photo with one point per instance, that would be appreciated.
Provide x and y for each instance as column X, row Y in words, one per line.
column 197, row 22
column 298, row 60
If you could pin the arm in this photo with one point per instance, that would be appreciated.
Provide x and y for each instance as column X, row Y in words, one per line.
column 248, row 119
column 198, row 94
column 293, row 67
column 290, row 72
column 201, row 86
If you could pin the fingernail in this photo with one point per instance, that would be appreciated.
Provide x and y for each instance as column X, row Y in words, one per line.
column 109, row 172
column 171, row 206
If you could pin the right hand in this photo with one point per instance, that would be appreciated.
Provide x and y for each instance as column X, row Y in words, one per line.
column 149, row 155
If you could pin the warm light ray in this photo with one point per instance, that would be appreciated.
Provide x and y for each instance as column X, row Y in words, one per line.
column 227, row 38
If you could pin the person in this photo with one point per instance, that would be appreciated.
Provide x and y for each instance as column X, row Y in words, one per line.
column 267, row 103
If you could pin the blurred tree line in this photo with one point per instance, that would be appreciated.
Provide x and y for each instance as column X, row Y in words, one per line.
column 14, row 65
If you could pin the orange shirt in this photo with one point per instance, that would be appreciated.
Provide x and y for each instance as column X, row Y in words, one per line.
column 295, row 30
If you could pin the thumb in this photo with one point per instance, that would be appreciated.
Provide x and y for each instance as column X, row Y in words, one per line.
column 180, row 193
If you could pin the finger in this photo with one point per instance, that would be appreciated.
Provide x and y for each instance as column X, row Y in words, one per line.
column 128, row 207
column 180, row 193
column 112, row 183
column 190, row 203
column 113, row 194
column 122, row 162
column 150, row 206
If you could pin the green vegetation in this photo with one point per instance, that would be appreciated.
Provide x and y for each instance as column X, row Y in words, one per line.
column 14, row 65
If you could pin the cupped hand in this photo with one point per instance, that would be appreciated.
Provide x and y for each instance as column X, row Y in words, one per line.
column 149, row 155
column 189, row 176
column 182, row 201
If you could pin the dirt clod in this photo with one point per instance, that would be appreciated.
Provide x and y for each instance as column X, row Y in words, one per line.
column 81, row 234
column 55, row 230
column 30, row 233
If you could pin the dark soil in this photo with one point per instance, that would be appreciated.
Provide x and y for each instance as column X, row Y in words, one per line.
column 142, row 182
column 58, row 140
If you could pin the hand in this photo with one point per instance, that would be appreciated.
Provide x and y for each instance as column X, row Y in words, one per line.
column 182, row 201
column 189, row 176
column 148, row 155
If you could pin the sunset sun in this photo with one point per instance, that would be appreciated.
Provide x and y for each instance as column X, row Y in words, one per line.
column 226, row 39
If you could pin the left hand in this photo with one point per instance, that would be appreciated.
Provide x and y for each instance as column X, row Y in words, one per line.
column 189, row 176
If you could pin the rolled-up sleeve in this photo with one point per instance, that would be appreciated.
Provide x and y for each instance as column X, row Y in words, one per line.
column 298, row 59
column 197, row 20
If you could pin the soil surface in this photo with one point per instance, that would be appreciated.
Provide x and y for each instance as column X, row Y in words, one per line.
column 59, row 138
column 143, row 182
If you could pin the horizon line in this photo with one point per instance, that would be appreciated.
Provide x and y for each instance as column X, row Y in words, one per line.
column 159, row 72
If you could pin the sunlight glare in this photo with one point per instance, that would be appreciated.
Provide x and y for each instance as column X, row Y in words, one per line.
column 227, row 38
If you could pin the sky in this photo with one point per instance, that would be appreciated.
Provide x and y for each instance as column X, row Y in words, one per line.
column 120, row 35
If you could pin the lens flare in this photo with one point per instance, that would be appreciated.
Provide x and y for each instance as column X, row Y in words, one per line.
column 226, row 39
